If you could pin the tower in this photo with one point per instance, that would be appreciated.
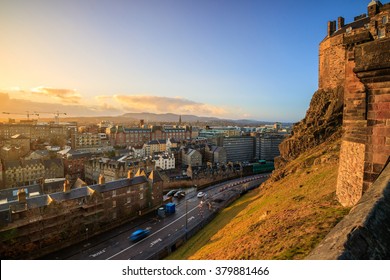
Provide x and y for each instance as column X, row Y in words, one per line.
column 373, row 8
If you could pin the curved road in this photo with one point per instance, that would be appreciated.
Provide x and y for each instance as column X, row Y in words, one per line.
column 190, row 212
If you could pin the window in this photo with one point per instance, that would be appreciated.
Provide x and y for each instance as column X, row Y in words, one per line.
column 381, row 33
column 114, row 193
column 113, row 203
column 128, row 200
column 385, row 19
column 141, row 195
column 349, row 30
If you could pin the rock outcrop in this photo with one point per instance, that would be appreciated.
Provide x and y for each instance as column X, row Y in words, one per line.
column 323, row 121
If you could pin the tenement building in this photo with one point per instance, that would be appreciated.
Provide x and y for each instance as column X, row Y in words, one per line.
column 33, row 225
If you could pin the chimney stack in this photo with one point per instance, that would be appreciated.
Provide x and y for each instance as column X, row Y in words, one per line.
column 66, row 184
column 129, row 174
column 331, row 27
column 340, row 23
column 102, row 180
column 22, row 196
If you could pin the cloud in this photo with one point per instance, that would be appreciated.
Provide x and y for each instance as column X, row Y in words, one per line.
column 69, row 96
column 158, row 104
column 20, row 107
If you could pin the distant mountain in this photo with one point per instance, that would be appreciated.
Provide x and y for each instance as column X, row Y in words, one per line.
column 168, row 117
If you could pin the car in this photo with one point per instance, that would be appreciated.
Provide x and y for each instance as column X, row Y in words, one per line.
column 139, row 234
column 172, row 192
column 180, row 194
column 200, row 194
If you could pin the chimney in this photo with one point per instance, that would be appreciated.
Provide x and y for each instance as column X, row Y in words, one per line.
column 102, row 180
column 331, row 27
column 66, row 185
column 22, row 196
column 129, row 174
column 42, row 185
column 340, row 23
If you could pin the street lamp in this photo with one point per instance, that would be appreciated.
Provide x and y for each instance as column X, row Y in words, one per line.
column 186, row 217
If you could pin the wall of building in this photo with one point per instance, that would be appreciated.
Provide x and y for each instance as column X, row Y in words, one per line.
column 365, row 233
column 354, row 57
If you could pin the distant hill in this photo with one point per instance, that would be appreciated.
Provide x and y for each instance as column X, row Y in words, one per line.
column 168, row 117
column 165, row 118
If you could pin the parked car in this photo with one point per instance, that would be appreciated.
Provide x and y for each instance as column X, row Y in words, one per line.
column 172, row 192
column 139, row 234
column 180, row 194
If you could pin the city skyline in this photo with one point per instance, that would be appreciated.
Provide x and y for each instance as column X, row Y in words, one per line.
column 225, row 59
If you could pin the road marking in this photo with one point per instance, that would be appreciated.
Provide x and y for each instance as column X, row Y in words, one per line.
column 98, row 253
column 155, row 242
column 124, row 250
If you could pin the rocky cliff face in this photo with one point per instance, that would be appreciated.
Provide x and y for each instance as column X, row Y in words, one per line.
column 323, row 121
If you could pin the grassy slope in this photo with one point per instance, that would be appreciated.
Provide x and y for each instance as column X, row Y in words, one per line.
column 282, row 220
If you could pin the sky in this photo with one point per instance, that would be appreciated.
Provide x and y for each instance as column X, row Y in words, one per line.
column 238, row 59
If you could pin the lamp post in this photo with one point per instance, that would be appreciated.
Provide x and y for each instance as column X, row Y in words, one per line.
column 186, row 217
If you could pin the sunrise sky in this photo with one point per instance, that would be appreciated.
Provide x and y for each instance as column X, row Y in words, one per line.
column 222, row 58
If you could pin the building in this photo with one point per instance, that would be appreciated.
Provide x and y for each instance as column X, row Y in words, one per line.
column 74, row 162
column 154, row 146
column 114, row 169
column 43, row 223
column 121, row 136
column 191, row 157
column 36, row 131
column 165, row 161
column 267, row 145
column 28, row 172
column 354, row 69
column 239, row 149
column 215, row 154
column 86, row 140
column 14, row 147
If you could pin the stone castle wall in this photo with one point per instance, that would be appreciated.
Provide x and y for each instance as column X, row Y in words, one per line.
column 356, row 57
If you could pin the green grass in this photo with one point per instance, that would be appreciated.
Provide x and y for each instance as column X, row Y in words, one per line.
column 284, row 219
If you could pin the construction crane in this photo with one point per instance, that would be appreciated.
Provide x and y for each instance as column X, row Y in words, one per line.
column 56, row 115
column 28, row 114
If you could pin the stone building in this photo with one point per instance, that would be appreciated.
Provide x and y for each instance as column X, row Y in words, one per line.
column 27, row 172
column 86, row 140
column 74, row 162
column 35, row 225
column 122, row 136
column 355, row 58
column 165, row 161
column 191, row 157
column 215, row 154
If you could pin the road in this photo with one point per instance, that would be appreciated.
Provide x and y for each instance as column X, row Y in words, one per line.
column 190, row 212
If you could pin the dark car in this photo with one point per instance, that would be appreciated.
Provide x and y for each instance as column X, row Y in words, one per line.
column 180, row 194
column 139, row 234
column 172, row 192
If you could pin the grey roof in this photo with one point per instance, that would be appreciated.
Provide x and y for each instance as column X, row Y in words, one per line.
column 9, row 164
column 70, row 195
column 118, row 184
column 12, row 193
column 56, row 161
column 354, row 25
